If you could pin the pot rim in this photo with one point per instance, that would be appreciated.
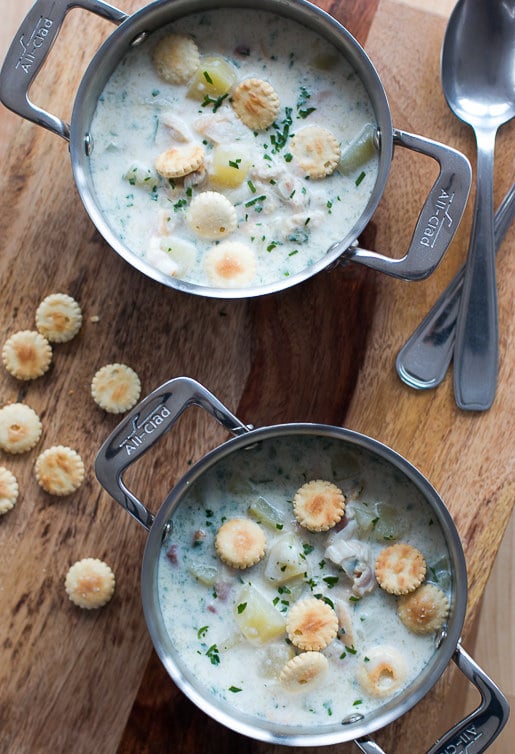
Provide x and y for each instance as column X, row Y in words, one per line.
column 385, row 713
column 157, row 14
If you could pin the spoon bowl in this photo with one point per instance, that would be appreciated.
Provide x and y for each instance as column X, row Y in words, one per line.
column 478, row 80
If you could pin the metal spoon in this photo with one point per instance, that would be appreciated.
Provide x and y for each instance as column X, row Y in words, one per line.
column 424, row 359
column 478, row 79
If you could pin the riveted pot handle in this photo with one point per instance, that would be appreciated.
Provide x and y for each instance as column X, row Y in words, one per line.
column 438, row 219
column 29, row 50
column 477, row 731
column 142, row 428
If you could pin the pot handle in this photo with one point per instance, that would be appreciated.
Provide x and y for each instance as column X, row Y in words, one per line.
column 143, row 426
column 477, row 731
column 29, row 50
column 438, row 220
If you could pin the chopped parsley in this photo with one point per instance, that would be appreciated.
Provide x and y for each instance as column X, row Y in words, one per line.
column 304, row 97
column 213, row 654
column 255, row 200
column 282, row 132
column 215, row 102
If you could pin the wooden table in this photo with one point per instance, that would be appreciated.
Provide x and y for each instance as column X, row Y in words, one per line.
column 76, row 681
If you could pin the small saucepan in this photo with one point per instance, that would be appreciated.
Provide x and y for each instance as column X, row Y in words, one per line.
column 255, row 459
column 439, row 217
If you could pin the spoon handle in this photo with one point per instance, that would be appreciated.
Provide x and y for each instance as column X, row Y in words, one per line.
column 425, row 357
column 476, row 351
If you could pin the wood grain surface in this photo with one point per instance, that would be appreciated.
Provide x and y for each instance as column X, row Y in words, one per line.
column 75, row 681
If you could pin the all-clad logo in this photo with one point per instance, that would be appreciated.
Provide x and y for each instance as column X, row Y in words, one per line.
column 31, row 46
column 461, row 744
column 142, row 432
column 441, row 217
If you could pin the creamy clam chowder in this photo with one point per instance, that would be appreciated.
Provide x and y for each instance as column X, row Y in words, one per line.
column 291, row 152
column 227, row 626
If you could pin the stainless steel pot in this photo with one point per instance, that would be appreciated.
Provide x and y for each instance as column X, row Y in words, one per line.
column 157, row 414
column 439, row 217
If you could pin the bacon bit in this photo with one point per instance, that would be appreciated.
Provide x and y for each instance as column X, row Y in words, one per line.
column 172, row 554
column 199, row 537
column 222, row 589
column 342, row 523
column 211, row 609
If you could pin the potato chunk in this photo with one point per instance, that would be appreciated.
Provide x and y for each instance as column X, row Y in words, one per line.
column 285, row 560
column 230, row 166
column 214, row 78
column 257, row 619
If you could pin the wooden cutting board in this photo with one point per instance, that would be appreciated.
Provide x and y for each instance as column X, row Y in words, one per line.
column 324, row 351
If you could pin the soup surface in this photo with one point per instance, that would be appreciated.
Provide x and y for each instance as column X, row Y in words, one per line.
column 227, row 626
column 269, row 123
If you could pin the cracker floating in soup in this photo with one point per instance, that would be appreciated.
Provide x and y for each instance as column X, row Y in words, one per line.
column 400, row 568
column 248, row 104
column 303, row 670
column 176, row 58
column 256, row 103
column 424, row 610
column 240, row 542
column 311, row 624
column 318, row 505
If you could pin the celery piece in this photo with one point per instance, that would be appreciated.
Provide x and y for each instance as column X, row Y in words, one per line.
column 389, row 524
column 360, row 149
column 206, row 574
column 266, row 514
column 365, row 518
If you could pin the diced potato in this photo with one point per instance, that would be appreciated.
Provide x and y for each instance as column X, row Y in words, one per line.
column 285, row 560
column 206, row 574
column 274, row 657
column 230, row 166
column 266, row 514
column 257, row 619
column 182, row 252
column 360, row 149
column 214, row 78
column 231, row 640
